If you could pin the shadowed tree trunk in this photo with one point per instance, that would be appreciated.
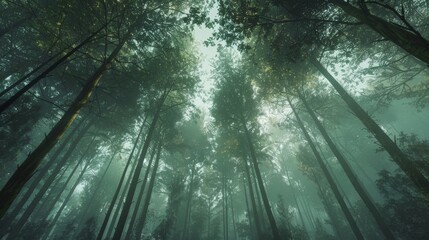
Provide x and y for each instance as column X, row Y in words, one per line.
column 350, row 174
column 271, row 219
column 388, row 144
column 37, row 79
column 329, row 178
column 130, row 229
column 142, row 217
column 410, row 41
column 118, row 188
column 27, row 168
column 188, row 203
column 133, row 185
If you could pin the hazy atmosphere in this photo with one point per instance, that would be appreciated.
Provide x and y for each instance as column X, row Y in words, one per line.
column 214, row 120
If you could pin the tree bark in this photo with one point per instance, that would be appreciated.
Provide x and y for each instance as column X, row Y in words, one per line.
column 388, row 144
column 350, row 174
column 188, row 203
column 118, row 188
column 27, row 168
column 252, row 199
column 142, row 217
column 411, row 42
column 130, row 229
column 4, row 106
column 329, row 178
column 271, row 219
column 133, row 185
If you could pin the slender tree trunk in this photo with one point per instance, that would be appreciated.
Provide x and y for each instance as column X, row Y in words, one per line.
column 36, row 200
column 296, row 201
column 27, row 168
column 133, row 185
column 118, row 188
column 251, row 224
column 130, row 230
column 329, row 178
column 388, row 144
column 350, row 174
column 15, row 25
column 23, row 78
column 142, row 217
column 188, row 203
column 37, row 79
column 252, row 199
column 411, row 42
column 8, row 219
column 54, row 221
column 271, row 219
column 258, row 199
column 84, row 213
column 232, row 213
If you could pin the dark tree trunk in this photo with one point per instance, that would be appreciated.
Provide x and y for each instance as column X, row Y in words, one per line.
column 29, row 166
column 133, row 185
column 54, row 221
column 252, row 199
column 23, row 78
column 188, row 203
column 271, row 219
column 251, row 224
column 329, row 178
column 232, row 213
column 118, row 188
column 37, row 79
column 388, row 144
column 130, row 229
column 350, row 174
column 142, row 217
column 36, row 200
column 410, row 41
column 6, row 220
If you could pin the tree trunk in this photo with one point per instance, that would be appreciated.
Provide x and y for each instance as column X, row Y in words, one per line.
column 27, row 168
column 118, row 188
column 274, row 229
column 7, row 219
column 53, row 223
column 329, row 178
column 142, row 217
column 411, row 42
column 232, row 213
column 350, row 174
column 133, row 185
column 130, row 230
column 37, row 79
column 188, row 203
column 251, row 224
column 390, row 146
column 36, row 200
column 252, row 199
column 23, row 78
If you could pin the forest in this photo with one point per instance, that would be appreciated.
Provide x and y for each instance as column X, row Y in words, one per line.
column 214, row 120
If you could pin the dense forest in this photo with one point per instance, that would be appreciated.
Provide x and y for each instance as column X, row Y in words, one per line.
column 229, row 120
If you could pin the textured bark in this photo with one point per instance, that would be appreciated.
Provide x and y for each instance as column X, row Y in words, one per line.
column 271, row 219
column 133, row 185
column 409, row 41
column 350, row 174
column 118, row 188
column 29, row 166
column 142, row 217
column 388, row 144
